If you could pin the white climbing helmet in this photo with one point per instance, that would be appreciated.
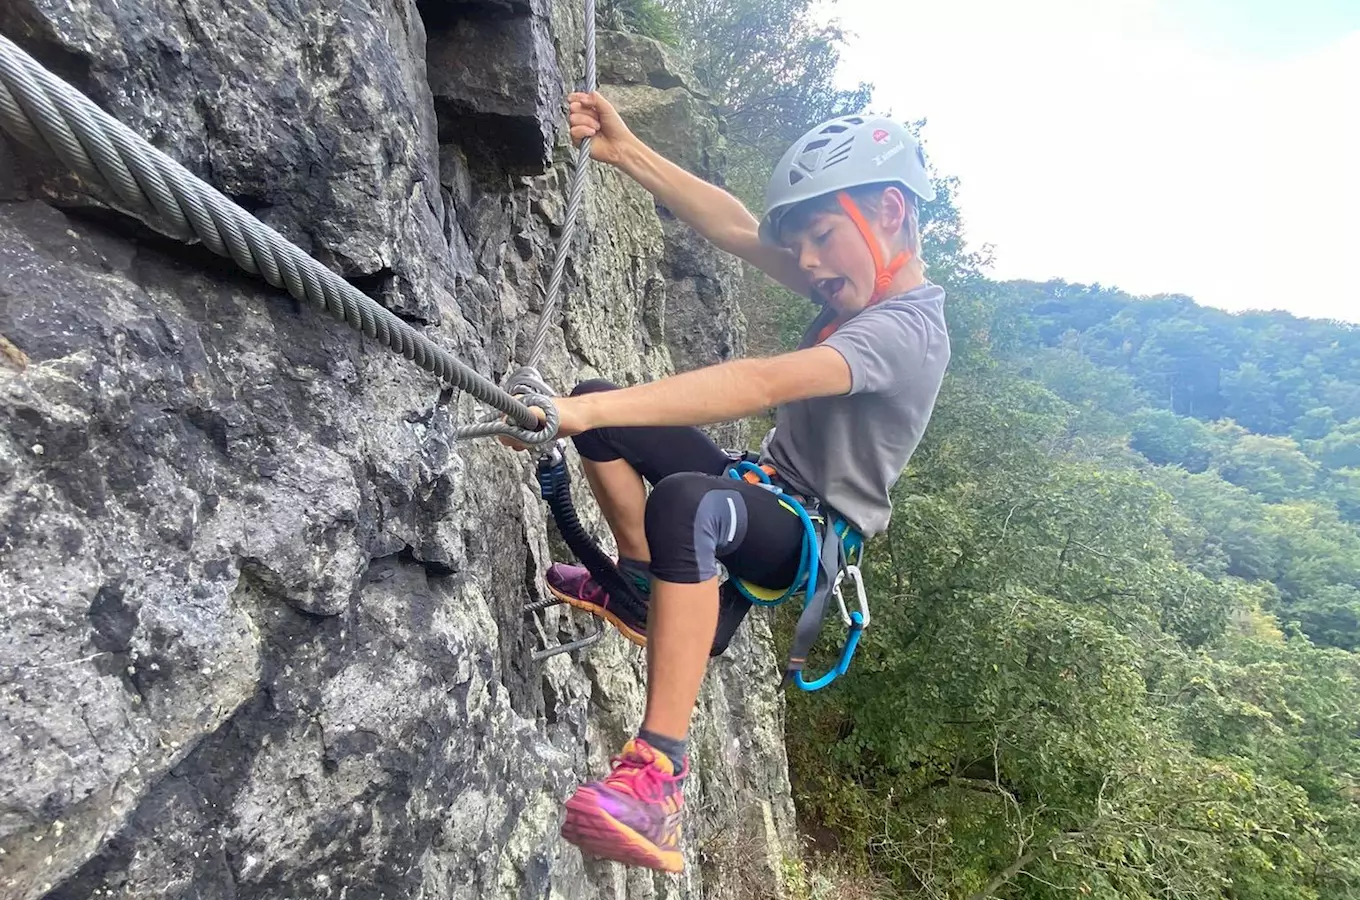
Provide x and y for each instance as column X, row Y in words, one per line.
column 842, row 153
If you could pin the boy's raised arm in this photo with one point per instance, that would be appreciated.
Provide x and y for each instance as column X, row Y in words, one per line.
column 711, row 211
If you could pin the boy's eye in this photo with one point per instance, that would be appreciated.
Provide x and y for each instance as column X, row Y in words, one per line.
column 822, row 238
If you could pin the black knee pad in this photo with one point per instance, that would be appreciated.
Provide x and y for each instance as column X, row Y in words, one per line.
column 690, row 519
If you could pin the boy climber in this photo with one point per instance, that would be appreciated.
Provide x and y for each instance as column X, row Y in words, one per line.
column 841, row 227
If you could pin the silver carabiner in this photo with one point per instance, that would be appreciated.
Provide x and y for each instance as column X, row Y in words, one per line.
column 860, row 594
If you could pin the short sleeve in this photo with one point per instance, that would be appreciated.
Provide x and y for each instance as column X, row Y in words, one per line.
column 884, row 346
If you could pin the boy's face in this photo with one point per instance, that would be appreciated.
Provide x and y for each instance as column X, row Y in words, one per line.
column 833, row 252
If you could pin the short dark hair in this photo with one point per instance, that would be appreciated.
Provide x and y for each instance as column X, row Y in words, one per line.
column 866, row 196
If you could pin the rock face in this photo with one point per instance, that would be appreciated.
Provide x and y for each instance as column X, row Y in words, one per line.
column 260, row 629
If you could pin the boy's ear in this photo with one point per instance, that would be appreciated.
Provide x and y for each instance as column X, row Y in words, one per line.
column 892, row 210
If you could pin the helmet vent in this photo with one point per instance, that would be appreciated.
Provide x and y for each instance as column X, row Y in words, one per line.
column 810, row 160
column 839, row 154
column 816, row 145
column 853, row 120
column 795, row 176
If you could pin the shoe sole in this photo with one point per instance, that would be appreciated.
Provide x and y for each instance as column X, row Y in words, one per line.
column 600, row 835
column 602, row 613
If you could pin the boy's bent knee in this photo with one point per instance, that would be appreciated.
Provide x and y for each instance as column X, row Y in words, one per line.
column 691, row 518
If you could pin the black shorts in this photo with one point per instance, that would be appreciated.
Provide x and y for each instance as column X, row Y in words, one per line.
column 696, row 515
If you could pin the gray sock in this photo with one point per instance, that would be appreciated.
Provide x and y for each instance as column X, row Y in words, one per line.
column 675, row 748
column 637, row 572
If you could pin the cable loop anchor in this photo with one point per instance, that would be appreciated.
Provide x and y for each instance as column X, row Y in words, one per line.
column 545, row 435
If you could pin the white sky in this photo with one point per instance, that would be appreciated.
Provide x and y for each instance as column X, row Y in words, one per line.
column 1205, row 147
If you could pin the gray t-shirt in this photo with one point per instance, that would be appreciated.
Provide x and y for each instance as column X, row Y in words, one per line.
column 849, row 450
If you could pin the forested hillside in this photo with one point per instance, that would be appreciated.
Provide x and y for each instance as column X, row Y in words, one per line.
column 1112, row 652
column 1253, row 421
column 1096, row 672
column 1272, row 372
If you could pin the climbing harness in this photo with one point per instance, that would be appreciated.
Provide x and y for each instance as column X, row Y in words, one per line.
column 823, row 566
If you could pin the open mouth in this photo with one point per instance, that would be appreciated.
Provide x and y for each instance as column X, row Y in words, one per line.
column 831, row 288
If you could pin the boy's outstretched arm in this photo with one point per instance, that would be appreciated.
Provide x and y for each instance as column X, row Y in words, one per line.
column 717, row 393
column 708, row 209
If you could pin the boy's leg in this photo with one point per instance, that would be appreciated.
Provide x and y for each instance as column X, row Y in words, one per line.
column 616, row 461
column 695, row 521
column 633, row 815
column 681, row 622
column 621, row 496
column 642, row 452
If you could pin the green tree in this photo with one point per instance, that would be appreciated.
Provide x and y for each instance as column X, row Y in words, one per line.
column 1273, row 467
column 1071, row 375
column 1181, row 362
column 1314, row 424
column 1168, row 439
column 645, row 17
column 1343, row 486
column 1331, row 616
column 1041, row 630
column 770, row 64
column 1339, row 448
column 1314, row 547
column 1267, row 371
column 1284, row 710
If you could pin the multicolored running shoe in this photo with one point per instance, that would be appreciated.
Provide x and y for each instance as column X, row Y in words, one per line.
column 573, row 585
column 633, row 815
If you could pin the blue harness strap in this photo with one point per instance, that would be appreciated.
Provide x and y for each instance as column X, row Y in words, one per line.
column 822, row 566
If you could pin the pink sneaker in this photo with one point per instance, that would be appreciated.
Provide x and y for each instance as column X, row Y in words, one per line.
column 574, row 586
column 633, row 815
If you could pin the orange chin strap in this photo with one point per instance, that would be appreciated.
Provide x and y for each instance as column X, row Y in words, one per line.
column 883, row 274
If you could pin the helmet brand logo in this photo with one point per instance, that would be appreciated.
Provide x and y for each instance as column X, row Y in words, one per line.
column 889, row 154
column 880, row 136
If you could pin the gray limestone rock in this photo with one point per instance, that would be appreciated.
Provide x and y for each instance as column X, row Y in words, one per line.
column 260, row 627
column 497, row 87
column 637, row 59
